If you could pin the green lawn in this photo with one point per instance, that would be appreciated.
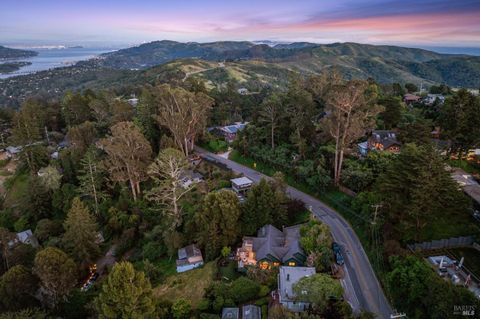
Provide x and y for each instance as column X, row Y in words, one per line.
column 167, row 266
column 190, row 284
column 17, row 191
column 229, row 272
column 215, row 146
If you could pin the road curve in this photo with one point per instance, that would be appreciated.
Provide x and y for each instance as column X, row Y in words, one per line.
column 362, row 289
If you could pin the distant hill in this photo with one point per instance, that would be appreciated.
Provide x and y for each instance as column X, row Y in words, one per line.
column 385, row 64
column 8, row 53
column 160, row 52
column 253, row 66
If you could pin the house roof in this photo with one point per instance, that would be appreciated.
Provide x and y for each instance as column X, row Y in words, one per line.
column 288, row 276
column 13, row 149
column 411, row 97
column 251, row 312
column 363, row 145
column 24, row 235
column 191, row 174
column 233, row 128
column 189, row 251
column 230, row 313
column 242, row 181
column 271, row 242
column 385, row 137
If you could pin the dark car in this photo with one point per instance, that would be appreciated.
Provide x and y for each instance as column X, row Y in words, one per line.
column 339, row 259
column 336, row 248
column 337, row 251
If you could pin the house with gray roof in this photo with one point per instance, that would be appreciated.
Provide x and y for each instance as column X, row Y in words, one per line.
column 251, row 312
column 189, row 257
column 228, row 132
column 189, row 178
column 230, row 313
column 382, row 140
column 271, row 248
column 25, row 237
column 287, row 278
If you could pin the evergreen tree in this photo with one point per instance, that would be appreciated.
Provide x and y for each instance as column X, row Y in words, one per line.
column 126, row 294
column 217, row 223
column 57, row 274
column 415, row 188
column 81, row 233
column 91, row 178
column 460, row 120
column 36, row 203
column 263, row 206
column 17, row 288
column 392, row 113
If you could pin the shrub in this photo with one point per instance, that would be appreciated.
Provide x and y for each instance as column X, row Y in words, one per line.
column 244, row 289
column 264, row 290
column 153, row 250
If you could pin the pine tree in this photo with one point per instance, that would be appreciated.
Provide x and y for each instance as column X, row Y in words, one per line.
column 125, row 294
column 416, row 188
column 81, row 233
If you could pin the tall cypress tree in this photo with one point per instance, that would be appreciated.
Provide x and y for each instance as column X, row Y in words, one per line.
column 263, row 206
column 81, row 233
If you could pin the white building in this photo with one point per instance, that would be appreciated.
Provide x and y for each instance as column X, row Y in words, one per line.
column 287, row 278
column 189, row 257
column 241, row 185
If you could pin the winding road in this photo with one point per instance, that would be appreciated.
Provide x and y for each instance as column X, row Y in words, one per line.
column 362, row 289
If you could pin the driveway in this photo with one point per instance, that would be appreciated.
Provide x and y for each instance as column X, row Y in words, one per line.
column 362, row 289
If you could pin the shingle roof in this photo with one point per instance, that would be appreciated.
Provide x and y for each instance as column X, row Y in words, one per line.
column 282, row 246
column 251, row 312
column 230, row 313
column 189, row 251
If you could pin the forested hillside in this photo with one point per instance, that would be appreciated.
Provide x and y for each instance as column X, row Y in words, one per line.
column 8, row 53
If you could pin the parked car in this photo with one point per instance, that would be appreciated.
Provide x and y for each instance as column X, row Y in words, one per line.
column 476, row 215
column 336, row 248
column 337, row 251
column 339, row 259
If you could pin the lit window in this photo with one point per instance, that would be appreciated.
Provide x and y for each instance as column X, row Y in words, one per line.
column 291, row 263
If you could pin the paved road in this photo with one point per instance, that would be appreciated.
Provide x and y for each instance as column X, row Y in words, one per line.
column 362, row 289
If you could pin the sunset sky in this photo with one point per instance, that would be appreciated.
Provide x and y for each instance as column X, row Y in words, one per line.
column 408, row 22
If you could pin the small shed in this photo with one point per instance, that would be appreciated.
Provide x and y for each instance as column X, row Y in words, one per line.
column 189, row 257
